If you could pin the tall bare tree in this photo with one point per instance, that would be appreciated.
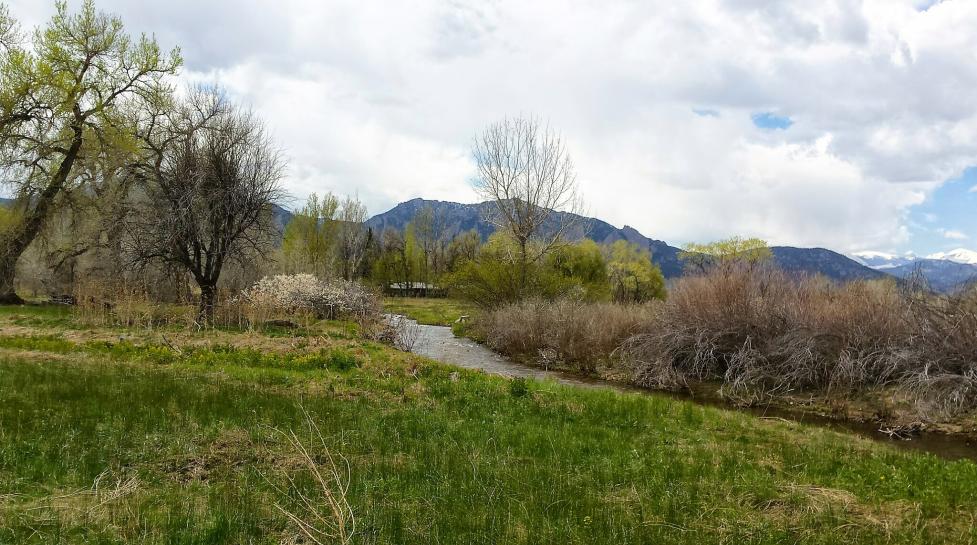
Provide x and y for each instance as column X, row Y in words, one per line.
column 353, row 237
column 524, row 168
column 212, row 174
column 63, row 100
column 431, row 232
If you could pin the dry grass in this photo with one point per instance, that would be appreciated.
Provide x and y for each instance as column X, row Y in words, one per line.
column 319, row 513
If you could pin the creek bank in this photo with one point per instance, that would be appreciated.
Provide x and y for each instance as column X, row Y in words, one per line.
column 945, row 440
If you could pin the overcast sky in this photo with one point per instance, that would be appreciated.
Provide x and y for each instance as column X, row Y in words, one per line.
column 834, row 123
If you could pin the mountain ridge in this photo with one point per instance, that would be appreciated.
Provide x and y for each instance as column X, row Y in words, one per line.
column 463, row 217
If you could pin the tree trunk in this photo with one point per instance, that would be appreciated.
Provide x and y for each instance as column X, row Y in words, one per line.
column 208, row 297
column 8, row 296
column 523, row 265
column 33, row 222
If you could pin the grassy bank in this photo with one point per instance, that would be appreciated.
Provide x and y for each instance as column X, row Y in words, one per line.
column 185, row 439
column 429, row 310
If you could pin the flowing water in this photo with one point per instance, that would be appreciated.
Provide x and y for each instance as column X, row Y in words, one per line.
column 438, row 343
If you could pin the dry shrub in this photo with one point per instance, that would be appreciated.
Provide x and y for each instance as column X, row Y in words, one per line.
column 319, row 513
column 566, row 332
column 762, row 333
column 128, row 305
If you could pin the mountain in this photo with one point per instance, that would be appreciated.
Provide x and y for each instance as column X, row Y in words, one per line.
column 942, row 275
column 464, row 217
column 281, row 217
column 943, row 271
column 881, row 260
column 960, row 255
column 822, row 261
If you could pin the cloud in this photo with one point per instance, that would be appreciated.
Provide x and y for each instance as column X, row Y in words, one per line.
column 383, row 99
column 953, row 234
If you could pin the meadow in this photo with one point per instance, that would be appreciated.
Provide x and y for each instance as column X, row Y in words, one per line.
column 114, row 435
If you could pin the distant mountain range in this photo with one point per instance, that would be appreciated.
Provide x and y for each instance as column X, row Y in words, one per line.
column 943, row 271
column 464, row 217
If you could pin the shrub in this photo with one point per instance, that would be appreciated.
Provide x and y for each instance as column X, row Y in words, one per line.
column 332, row 298
column 761, row 333
column 565, row 332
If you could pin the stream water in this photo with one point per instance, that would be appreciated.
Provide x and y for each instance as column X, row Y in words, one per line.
column 438, row 343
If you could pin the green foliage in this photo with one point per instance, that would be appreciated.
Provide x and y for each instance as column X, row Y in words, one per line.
column 725, row 253
column 518, row 387
column 310, row 238
column 490, row 279
column 68, row 105
column 583, row 271
column 577, row 269
column 632, row 275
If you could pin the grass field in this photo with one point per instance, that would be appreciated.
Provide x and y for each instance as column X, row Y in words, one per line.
column 429, row 310
column 115, row 436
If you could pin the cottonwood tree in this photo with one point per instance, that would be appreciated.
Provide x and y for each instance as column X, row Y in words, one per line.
column 430, row 228
column 632, row 275
column 211, row 175
column 353, row 237
column 725, row 254
column 310, row 238
column 524, row 168
column 64, row 99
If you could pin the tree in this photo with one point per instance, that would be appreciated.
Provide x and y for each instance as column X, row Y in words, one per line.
column 726, row 253
column 212, row 174
column 354, row 237
column 310, row 238
column 463, row 248
column 64, row 100
column 632, row 275
column 576, row 270
column 489, row 280
column 9, row 36
column 526, row 171
column 430, row 230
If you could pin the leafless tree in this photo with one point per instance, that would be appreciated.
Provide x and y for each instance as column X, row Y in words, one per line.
column 524, row 168
column 431, row 231
column 353, row 237
column 211, row 176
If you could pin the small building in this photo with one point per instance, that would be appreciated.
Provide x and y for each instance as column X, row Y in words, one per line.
column 416, row 289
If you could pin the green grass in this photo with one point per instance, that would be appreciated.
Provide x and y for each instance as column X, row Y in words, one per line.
column 185, row 445
column 429, row 310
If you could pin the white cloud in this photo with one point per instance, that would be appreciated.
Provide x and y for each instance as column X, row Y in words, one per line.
column 953, row 234
column 383, row 98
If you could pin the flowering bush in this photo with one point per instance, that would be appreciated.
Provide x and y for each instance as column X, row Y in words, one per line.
column 332, row 298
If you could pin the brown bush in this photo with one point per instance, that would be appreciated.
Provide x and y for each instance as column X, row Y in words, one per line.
column 761, row 333
column 564, row 333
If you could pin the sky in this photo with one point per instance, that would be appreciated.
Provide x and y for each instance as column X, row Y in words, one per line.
column 837, row 123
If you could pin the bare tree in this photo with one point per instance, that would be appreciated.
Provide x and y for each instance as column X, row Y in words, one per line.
column 353, row 237
column 212, row 174
column 431, row 231
column 523, row 167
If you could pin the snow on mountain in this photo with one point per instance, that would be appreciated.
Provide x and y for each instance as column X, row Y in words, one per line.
column 882, row 260
column 960, row 255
